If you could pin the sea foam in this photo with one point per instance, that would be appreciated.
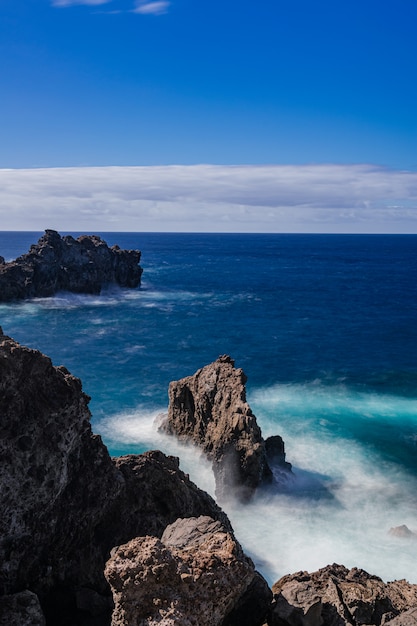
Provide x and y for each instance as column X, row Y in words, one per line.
column 344, row 496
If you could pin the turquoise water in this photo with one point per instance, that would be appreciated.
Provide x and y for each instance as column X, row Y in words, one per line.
column 324, row 327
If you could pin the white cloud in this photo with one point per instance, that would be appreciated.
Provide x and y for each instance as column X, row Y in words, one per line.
column 281, row 198
column 156, row 8
column 68, row 3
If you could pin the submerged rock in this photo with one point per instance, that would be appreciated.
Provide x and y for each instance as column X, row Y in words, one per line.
column 195, row 575
column 336, row 596
column 55, row 263
column 210, row 410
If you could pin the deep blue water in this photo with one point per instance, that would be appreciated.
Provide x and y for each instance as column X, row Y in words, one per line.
column 325, row 327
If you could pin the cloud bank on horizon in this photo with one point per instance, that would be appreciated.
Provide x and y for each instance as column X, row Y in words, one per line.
column 211, row 198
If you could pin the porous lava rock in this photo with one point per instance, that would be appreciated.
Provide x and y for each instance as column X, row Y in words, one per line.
column 195, row 575
column 210, row 410
column 64, row 503
column 58, row 481
column 55, row 263
column 337, row 596
column 156, row 493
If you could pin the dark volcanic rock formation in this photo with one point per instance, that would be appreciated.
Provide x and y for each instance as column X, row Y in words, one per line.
column 55, row 263
column 210, row 410
column 197, row 574
column 21, row 609
column 63, row 502
column 56, row 476
column 336, row 596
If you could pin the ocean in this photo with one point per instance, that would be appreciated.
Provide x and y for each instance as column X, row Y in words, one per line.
column 325, row 328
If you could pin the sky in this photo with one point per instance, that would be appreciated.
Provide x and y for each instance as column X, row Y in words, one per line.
column 188, row 115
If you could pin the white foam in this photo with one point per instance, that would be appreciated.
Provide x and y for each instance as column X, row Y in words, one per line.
column 346, row 495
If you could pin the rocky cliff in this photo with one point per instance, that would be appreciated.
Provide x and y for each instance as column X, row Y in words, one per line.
column 64, row 503
column 210, row 410
column 55, row 263
column 88, row 540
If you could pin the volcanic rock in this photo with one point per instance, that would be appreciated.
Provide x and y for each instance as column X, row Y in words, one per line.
column 194, row 576
column 21, row 609
column 336, row 596
column 57, row 478
column 63, row 502
column 55, row 263
column 210, row 410
column 156, row 493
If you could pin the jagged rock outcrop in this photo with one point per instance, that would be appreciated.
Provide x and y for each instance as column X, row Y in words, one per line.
column 156, row 493
column 195, row 575
column 55, row 263
column 336, row 596
column 64, row 503
column 210, row 410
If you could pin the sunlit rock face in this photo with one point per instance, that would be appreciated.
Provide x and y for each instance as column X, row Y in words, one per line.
column 337, row 596
column 83, row 265
column 210, row 410
column 196, row 574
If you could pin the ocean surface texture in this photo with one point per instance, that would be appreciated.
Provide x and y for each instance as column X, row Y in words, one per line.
column 325, row 328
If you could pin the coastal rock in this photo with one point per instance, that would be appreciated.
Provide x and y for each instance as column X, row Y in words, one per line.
column 156, row 493
column 58, row 482
column 336, row 596
column 64, row 502
column 21, row 609
column 195, row 575
column 210, row 410
column 55, row 263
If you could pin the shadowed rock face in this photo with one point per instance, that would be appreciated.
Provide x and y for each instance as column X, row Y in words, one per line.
column 210, row 410
column 56, row 476
column 196, row 574
column 55, row 263
column 336, row 596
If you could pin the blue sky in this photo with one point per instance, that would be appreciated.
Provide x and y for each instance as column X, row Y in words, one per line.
column 87, row 84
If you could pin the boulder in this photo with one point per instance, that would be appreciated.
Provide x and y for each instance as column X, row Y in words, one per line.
column 336, row 596
column 195, row 575
column 210, row 410
column 55, row 263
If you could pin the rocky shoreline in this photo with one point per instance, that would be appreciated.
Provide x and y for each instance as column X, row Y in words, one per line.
column 55, row 263
column 90, row 540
